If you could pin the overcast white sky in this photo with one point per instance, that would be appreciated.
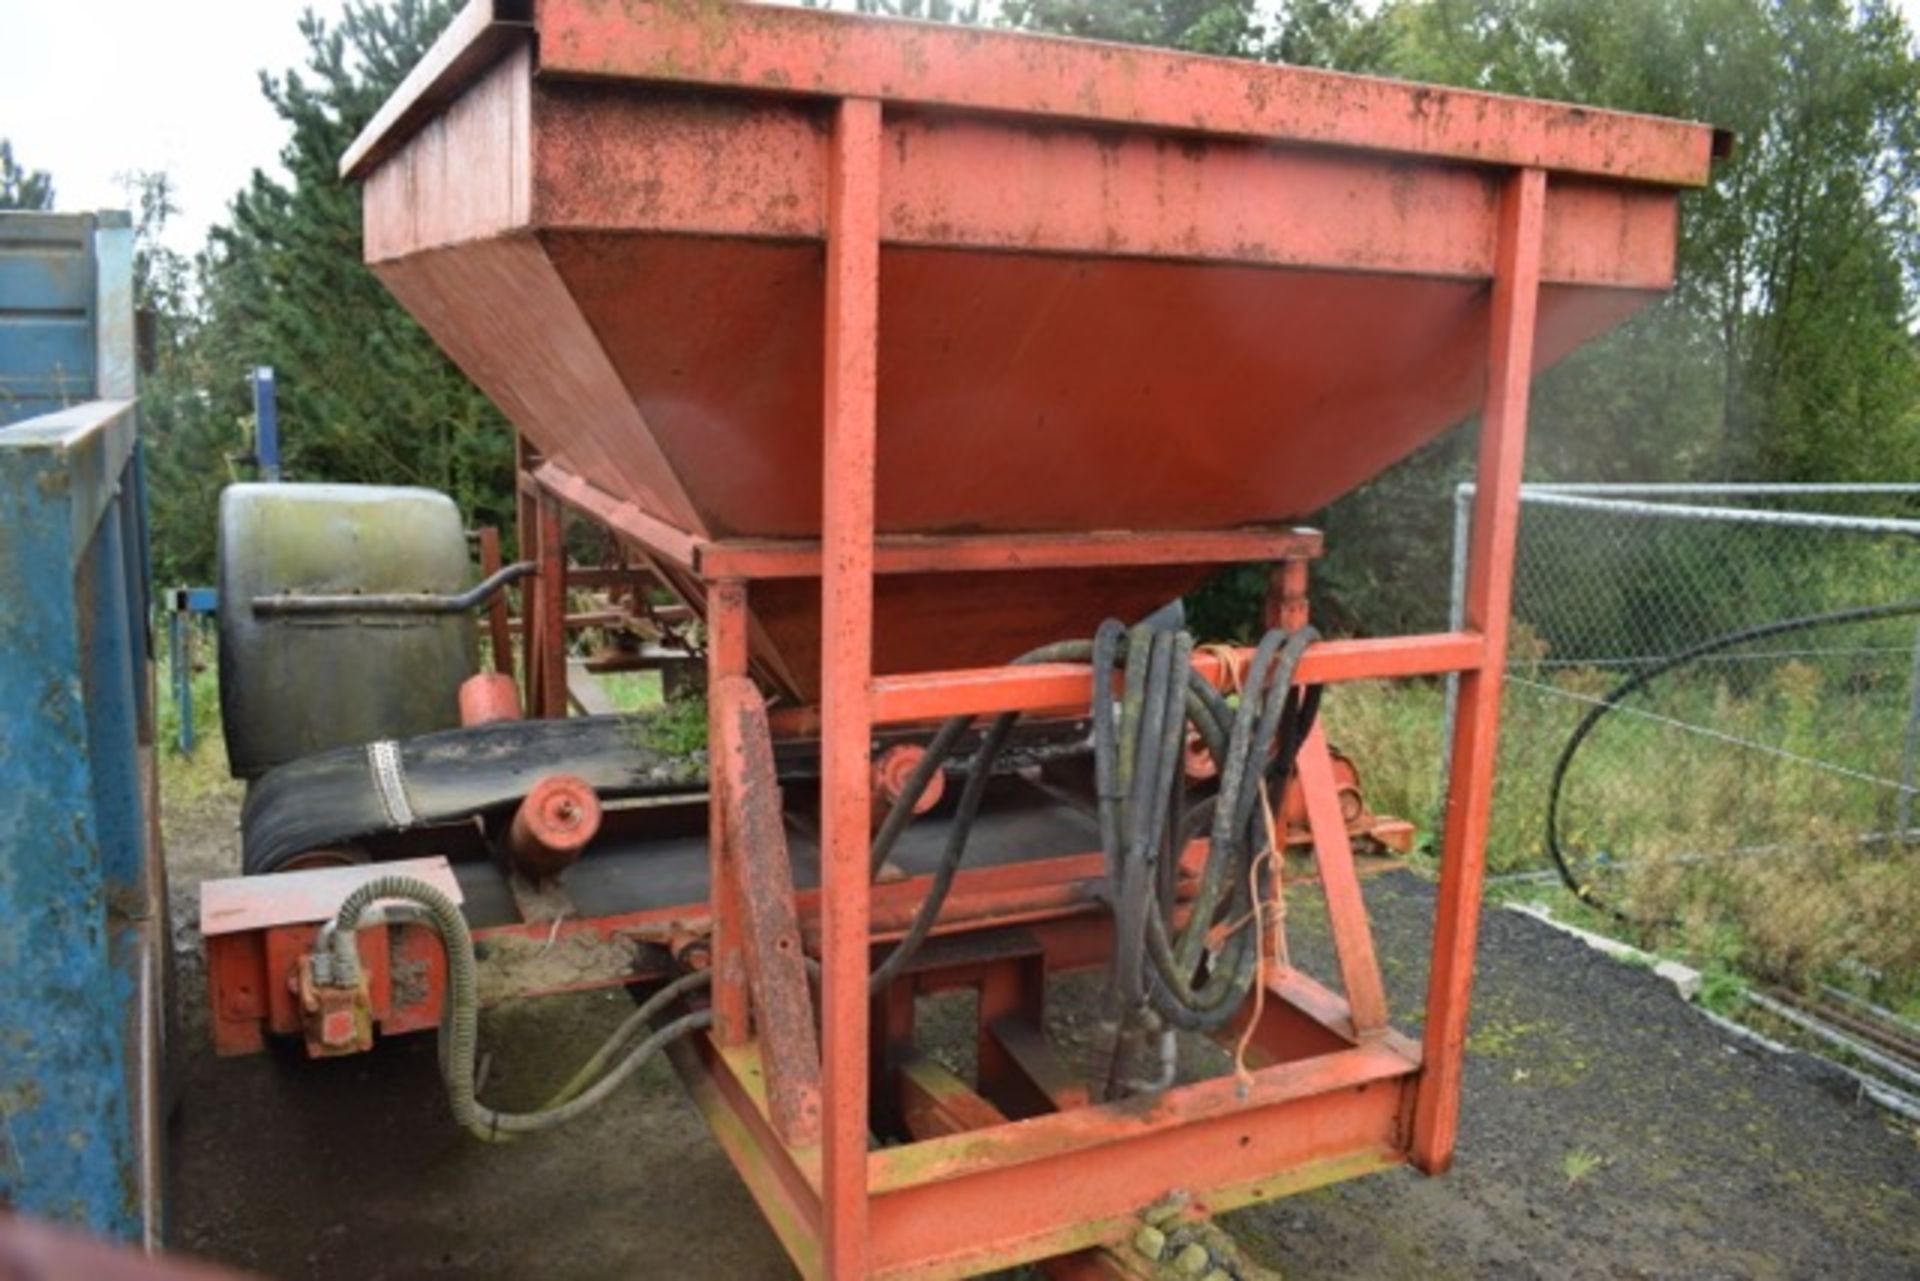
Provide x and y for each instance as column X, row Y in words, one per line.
column 94, row 88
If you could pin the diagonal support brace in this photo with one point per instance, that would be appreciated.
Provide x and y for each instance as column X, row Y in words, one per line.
column 770, row 937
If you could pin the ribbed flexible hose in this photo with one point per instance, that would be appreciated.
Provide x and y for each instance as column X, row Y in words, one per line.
column 1163, row 975
column 460, row 1018
column 1138, row 747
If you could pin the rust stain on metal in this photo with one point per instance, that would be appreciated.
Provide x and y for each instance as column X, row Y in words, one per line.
column 783, row 1013
column 1122, row 290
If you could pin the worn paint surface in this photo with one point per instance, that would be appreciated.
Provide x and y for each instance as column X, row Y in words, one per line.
column 834, row 281
column 50, row 282
column 1122, row 289
column 77, row 891
column 82, row 908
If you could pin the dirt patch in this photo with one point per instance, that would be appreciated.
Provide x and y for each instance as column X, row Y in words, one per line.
column 1608, row 1131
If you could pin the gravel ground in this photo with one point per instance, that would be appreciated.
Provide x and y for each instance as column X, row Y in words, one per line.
column 1610, row 1132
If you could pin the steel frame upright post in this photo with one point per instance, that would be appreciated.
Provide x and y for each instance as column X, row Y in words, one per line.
column 846, row 584
column 526, row 531
column 726, row 656
column 1456, row 621
column 1489, row 592
column 551, row 598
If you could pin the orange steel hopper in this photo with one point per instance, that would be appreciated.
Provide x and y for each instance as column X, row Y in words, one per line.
column 901, row 349
column 1120, row 289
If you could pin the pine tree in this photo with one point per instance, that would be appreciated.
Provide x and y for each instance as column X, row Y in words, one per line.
column 365, row 396
column 22, row 188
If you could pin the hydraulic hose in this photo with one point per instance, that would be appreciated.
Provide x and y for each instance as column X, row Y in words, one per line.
column 1165, row 974
column 610, row 1066
column 979, row 774
column 1705, row 649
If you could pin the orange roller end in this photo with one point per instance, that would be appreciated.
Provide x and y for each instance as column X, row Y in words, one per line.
column 553, row 825
column 891, row 769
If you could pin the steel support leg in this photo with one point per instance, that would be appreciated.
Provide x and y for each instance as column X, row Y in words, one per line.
column 526, row 516
column 742, row 752
column 1333, row 856
column 1496, row 520
column 852, row 319
column 498, row 626
column 726, row 659
column 552, row 598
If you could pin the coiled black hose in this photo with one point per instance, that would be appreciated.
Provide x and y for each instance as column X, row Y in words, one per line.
column 1730, row 640
column 1164, row 974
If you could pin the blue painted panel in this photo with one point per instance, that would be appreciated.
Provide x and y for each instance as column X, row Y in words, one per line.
column 45, row 363
column 69, row 1148
column 48, row 275
column 49, row 307
column 81, row 917
column 193, row 600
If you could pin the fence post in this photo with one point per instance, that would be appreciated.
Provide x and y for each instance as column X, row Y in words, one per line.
column 1456, row 620
column 1910, row 753
column 180, row 667
column 266, row 419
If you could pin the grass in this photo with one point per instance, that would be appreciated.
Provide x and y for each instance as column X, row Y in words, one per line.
column 1579, row 1163
column 200, row 778
column 675, row 727
column 1751, row 862
column 632, row 691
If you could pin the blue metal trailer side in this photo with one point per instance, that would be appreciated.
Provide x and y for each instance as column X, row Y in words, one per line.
column 82, row 888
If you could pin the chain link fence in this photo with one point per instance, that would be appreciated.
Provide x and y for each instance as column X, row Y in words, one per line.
column 1783, row 748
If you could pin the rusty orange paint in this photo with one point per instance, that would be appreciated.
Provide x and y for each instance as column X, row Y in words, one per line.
column 846, row 663
column 1058, row 252
column 801, row 51
column 498, row 632
column 1496, row 529
column 1041, row 333
column 1063, row 689
column 550, row 609
column 1002, row 1196
column 1352, row 936
column 726, row 661
column 486, row 697
column 553, row 825
column 891, row 770
column 783, row 1016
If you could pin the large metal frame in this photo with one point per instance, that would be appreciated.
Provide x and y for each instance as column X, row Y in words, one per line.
column 997, row 1195
column 1340, row 1092
column 893, row 142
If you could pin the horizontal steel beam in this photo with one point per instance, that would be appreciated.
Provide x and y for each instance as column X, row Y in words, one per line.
column 1064, row 689
column 83, row 450
column 927, row 553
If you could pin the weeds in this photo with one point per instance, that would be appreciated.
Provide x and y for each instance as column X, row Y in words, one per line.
column 676, row 727
column 200, row 778
column 1751, row 863
column 1579, row 1163
column 633, row 691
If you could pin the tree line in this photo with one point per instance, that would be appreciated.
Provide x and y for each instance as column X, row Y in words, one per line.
column 1786, row 352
